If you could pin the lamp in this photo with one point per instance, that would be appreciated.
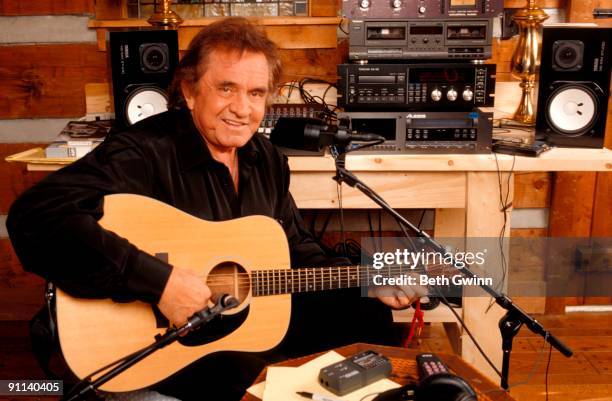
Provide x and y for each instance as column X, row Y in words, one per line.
column 526, row 57
column 166, row 17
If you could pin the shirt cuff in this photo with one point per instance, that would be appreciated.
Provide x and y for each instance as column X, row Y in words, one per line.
column 147, row 276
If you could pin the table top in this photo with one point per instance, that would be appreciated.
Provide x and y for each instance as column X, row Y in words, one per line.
column 556, row 159
column 405, row 369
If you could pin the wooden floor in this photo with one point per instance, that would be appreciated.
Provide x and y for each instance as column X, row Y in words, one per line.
column 587, row 376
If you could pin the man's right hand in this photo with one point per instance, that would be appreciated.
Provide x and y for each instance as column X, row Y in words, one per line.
column 185, row 294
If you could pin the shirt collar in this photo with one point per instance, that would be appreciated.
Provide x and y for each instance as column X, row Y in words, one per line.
column 192, row 150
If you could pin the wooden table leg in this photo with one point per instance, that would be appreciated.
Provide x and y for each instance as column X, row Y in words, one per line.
column 485, row 218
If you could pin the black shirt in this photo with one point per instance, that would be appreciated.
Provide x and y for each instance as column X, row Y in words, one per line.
column 54, row 230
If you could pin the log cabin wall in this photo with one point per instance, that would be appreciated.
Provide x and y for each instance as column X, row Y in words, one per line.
column 48, row 54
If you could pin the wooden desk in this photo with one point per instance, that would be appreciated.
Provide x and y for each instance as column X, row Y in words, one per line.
column 405, row 370
column 464, row 190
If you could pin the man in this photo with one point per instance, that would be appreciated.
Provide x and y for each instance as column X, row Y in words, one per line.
column 201, row 157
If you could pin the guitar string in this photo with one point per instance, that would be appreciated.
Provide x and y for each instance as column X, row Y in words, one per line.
column 343, row 269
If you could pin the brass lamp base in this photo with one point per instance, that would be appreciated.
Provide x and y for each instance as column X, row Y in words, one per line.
column 524, row 112
column 166, row 17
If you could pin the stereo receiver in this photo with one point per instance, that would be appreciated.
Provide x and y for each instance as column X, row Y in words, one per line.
column 417, row 39
column 425, row 132
column 423, row 9
column 431, row 87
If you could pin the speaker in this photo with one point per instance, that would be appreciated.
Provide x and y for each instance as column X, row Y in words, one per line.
column 142, row 63
column 574, row 85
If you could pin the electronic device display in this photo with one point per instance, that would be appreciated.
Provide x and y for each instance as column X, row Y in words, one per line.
column 431, row 86
column 417, row 39
column 467, row 132
column 423, row 9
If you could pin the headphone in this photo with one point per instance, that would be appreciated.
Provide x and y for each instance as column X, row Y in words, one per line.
column 445, row 386
column 438, row 387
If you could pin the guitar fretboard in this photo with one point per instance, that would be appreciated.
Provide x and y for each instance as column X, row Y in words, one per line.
column 289, row 281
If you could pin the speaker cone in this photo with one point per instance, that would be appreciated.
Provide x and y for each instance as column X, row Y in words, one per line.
column 568, row 55
column 572, row 110
column 145, row 102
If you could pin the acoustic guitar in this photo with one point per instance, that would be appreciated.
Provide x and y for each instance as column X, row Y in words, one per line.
column 246, row 257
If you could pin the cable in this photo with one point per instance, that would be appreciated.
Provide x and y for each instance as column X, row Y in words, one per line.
column 547, row 368
column 460, row 320
column 341, row 217
column 505, row 205
column 340, row 26
column 531, row 373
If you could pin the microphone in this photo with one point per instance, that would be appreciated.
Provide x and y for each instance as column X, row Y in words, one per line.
column 314, row 134
column 226, row 301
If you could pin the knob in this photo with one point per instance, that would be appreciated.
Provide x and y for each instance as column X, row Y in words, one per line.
column 396, row 3
column 364, row 3
column 468, row 95
column 451, row 95
column 422, row 10
column 436, row 95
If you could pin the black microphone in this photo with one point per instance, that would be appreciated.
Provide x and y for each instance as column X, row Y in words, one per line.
column 226, row 301
column 314, row 134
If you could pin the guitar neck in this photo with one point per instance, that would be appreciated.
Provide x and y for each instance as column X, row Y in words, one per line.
column 289, row 281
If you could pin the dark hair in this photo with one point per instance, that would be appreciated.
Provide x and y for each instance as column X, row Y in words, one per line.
column 232, row 34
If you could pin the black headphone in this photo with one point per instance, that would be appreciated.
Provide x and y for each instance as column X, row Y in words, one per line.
column 445, row 386
column 438, row 387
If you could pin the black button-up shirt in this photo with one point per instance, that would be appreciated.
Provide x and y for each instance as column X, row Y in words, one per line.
column 54, row 225
column 54, row 230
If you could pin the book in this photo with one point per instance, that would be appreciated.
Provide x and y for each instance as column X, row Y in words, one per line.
column 70, row 149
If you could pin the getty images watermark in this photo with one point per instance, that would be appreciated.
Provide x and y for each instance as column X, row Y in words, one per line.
column 421, row 267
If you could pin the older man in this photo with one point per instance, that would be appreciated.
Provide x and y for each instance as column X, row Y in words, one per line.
column 202, row 157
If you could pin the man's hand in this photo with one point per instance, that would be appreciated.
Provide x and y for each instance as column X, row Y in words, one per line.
column 185, row 294
column 398, row 297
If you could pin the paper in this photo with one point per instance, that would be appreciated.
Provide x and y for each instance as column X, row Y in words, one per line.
column 282, row 383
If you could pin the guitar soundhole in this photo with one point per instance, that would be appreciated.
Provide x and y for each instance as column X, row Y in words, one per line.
column 229, row 278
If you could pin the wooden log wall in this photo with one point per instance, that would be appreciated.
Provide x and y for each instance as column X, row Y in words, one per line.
column 47, row 80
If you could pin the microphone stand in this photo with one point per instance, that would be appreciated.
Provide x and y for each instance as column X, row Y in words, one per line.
column 515, row 317
column 84, row 387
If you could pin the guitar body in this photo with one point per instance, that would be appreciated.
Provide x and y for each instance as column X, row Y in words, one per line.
column 93, row 333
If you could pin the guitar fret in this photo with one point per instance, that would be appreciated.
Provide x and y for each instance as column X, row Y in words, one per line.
column 329, row 270
column 312, row 285
column 255, row 283
column 285, row 280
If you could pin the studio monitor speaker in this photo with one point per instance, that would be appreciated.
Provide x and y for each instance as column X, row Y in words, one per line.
column 574, row 85
column 142, row 63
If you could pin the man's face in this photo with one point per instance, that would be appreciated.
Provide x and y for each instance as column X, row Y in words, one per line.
column 229, row 100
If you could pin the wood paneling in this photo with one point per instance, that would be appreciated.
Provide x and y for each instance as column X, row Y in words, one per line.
column 532, row 190
column 46, row 7
column 324, row 8
column 48, row 80
column 571, row 214
column 111, row 9
column 14, row 179
column 572, row 204
column 602, row 206
column 313, row 63
column 21, row 293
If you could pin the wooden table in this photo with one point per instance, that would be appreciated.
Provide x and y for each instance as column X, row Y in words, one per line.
column 405, row 369
column 464, row 190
